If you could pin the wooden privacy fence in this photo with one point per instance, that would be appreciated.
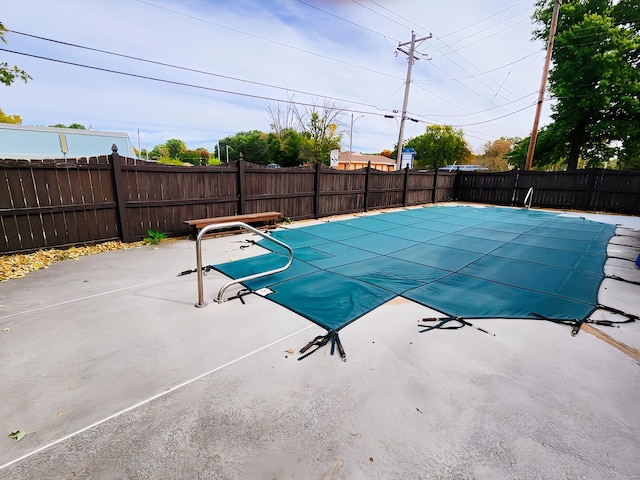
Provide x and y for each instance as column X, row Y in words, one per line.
column 53, row 203
column 590, row 190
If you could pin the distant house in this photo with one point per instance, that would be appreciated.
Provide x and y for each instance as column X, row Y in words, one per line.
column 25, row 142
column 355, row 161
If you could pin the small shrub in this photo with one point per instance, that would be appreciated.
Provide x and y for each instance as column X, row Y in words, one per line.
column 154, row 237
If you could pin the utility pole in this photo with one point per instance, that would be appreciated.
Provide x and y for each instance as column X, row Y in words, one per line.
column 543, row 85
column 410, row 60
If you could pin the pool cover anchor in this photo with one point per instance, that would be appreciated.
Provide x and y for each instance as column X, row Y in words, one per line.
column 444, row 320
column 239, row 295
column 320, row 341
column 575, row 323
column 206, row 269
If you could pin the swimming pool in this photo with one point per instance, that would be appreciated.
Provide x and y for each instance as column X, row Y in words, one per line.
column 463, row 261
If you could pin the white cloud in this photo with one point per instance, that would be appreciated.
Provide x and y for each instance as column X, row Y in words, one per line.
column 483, row 65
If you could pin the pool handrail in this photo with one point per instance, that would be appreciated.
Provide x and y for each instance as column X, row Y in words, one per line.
column 201, row 303
column 528, row 198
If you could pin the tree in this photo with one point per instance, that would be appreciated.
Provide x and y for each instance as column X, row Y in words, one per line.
column 204, row 154
column 9, row 74
column 320, row 129
column 595, row 78
column 9, row 118
column 438, row 146
column 159, row 152
column 175, row 147
column 550, row 152
column 252, row 145
column 494, row 154
column 285, row 148
column 282, row 117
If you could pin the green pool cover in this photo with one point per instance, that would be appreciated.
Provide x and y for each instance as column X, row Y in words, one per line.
column 462, row 261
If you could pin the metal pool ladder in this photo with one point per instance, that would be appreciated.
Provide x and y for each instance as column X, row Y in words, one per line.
column 201, row 303
column 528, row 199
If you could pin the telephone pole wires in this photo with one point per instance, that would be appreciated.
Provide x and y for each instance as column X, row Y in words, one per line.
column 543, row 85
column 411, row 58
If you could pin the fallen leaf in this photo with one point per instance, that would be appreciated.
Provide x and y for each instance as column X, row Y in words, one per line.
column 17, row 266
column 5, row 330
column 290, row 351
column 17, row 435
column 371, row 459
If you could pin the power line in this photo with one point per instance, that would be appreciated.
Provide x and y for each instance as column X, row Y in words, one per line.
column 493, row 119
column 479, row 21
column 342, row 18
column 442, row 52
column 203, row 72
column 182, row 84
column 378, row 13
column 445, row 54
column 482, row 73
column 269, row 40
column 481, row 111
column 475, row 42
column 488, row 28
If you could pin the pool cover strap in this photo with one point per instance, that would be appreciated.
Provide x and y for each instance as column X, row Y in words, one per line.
column 320, row 341
column 575, row 323
column 442, row 325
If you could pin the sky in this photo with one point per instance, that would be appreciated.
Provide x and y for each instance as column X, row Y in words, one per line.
column 202, row 70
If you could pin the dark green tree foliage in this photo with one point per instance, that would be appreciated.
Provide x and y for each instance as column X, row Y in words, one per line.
column 175, row 147
column 285, row 148
column 595, row 79
column 440, row 145
column 252, row 145
column 190, row 156
column 550, row 152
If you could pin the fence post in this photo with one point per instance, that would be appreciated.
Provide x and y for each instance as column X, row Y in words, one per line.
column 514, row 192
column 119, row 194
column 366, row 187
column 405, row 192
column 456, row 185
column 316, row 192
column 241, row 182
column 435, row 186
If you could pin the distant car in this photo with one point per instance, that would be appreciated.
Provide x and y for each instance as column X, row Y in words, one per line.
column 273, row 165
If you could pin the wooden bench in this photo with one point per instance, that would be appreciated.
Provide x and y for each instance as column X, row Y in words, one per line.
column 253, row 219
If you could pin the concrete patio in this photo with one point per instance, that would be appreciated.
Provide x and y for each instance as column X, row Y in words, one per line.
column 113, row 373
